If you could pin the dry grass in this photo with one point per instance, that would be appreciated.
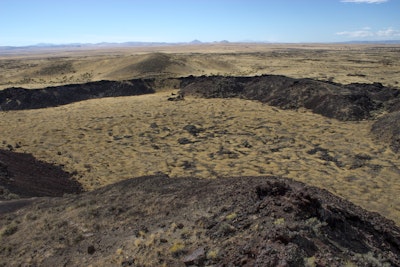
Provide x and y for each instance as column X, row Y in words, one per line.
column 340, row 63
column 107, row 140
column 112, row 139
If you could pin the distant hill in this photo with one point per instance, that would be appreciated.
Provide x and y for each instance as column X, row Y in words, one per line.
column 196, row 42
column 149, row 44
column 373, row 42
column 103, row 44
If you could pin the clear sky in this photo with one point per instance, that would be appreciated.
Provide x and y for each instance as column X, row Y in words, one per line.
column 26, row 22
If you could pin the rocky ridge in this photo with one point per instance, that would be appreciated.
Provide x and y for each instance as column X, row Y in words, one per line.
column 239, row 221
column 20, row 98
column 333, row 100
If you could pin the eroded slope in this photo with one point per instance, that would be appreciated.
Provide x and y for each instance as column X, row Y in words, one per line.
column 21, row 175
column 152, row 221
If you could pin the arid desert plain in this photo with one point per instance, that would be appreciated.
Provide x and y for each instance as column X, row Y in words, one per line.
column 107, row 140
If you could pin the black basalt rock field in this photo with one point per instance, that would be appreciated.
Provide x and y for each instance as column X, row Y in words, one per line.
column 20, row 98
column 333, row 100
column 242, row 221
column 342, row 102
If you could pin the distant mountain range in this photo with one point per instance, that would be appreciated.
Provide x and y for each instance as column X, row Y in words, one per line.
column 103, row 44
column 372, row 42
column 77, row 45
column 143, row 44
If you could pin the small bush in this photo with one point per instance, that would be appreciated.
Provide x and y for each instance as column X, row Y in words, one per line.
column 279, row 221
column 177, row 249
column 9, row 230
column 212, row 254
column 231, row 216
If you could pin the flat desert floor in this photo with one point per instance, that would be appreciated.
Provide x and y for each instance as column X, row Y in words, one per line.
column 107, row 140
column 338, row 63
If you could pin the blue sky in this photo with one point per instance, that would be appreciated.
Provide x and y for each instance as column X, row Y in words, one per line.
column 26, row 22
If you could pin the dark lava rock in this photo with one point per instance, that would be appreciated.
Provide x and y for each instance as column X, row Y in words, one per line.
column 343, row 102
column 179, row 97
column 193, row 130
column 91, row 250
column 240, row 221
column 25, row 176
column 154, row 125
column 4, row 171
column 196, row 258
column 387, row 130
column 184, row 141
column 128, row 262
column 20, row 98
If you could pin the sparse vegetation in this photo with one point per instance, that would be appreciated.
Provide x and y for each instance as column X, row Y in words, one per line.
column 164, row 221
column 60, row 68
column 212, row 254
column 177, row 249
column 9, row 229
column 231, row 216
column 310, row 262
column 279, row 221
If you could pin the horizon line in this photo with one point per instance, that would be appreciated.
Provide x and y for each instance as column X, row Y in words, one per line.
column 194, row 42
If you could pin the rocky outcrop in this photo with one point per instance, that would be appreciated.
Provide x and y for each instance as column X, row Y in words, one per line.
column 342, row 102
column 3, row 171
column 242, row 221
column 387, row 130
column 20, row 98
